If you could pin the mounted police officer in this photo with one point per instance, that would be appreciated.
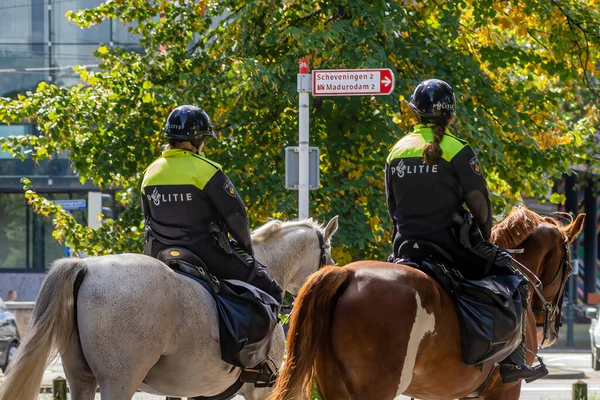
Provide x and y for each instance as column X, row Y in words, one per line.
column 188, row 201
column 429, row 176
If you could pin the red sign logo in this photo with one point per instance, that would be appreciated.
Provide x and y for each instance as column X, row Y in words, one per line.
column 304, row 66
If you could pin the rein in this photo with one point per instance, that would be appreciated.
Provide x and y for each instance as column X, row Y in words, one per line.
column 549, row 308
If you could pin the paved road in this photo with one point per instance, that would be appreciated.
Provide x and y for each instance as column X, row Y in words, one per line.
column 545, row 389
column 561, row 389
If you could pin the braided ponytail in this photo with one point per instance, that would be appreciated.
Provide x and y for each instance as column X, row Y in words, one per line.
column 432, row 151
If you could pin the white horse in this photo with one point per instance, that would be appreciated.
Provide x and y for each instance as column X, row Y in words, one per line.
column 127, row 322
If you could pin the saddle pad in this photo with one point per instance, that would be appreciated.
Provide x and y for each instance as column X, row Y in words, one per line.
column 247, row 318
column 490, row 312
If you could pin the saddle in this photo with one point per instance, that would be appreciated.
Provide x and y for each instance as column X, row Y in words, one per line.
column 247, row 318
column 415, row 251
column 489, row 309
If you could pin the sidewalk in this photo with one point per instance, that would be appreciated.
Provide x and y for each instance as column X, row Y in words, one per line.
column 581, row 339
column 55, row 370
column 556, row 372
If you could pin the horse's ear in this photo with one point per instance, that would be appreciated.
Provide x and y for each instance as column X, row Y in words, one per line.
column 331, row 227
column 575, row 227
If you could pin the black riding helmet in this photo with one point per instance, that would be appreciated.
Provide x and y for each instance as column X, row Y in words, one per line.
column 433, row 99
column 188, row 123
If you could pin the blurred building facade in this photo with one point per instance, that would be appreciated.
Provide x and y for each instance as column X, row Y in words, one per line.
column 37, row 44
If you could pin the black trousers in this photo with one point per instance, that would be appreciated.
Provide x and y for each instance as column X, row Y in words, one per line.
column 465, row 261
column 228, row 266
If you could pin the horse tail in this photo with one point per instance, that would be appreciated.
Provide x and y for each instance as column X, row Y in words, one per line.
column 52, row 327
column 309, row 330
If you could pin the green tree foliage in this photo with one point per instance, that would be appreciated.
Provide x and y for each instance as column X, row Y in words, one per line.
column 523, row 73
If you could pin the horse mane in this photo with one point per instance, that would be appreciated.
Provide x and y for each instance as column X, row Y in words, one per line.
column 520, row 224
column 273, row 226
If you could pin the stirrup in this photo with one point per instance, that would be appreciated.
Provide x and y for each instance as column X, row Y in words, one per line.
column 542, row 369
column 513, row 372
column 261, row 376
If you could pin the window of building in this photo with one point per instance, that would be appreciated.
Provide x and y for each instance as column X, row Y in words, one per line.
column 12, row 130
column 121, row 35
column 26, row 241
column 13, row 231
column 64, row 32
column 34, row 40
column 66, row 56
column 24, row 21
column 16, row 62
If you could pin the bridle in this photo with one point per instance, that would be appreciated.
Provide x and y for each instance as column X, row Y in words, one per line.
column 322, row 263
column 549, row 308
column 323, row 247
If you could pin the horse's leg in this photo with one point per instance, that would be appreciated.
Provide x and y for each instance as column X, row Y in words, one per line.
column 122, row 372
column 117, row 391
column 121, row 379
column 327, row 374
column 510, row 391
column 370, row 345
column 122, row 336
column 329, row 382
column 82, row 381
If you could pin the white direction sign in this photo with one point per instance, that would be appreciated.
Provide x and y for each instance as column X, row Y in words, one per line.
column 75, row 204
column 352, row 82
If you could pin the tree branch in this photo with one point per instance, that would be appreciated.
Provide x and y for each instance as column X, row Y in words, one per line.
column 572, row 22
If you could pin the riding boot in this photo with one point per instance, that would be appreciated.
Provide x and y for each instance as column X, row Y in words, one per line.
column 263, row 375
column 515, row 367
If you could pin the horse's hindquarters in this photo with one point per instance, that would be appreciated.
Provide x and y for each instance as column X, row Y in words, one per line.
column 394, row 326
column 139, row 321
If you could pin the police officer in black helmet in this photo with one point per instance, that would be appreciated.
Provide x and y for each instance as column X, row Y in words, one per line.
column 430, row 175
column 188, row 201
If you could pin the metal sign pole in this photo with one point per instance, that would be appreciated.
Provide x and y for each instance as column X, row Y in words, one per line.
column 303, row 139
column 341, row 82
column 572, row 297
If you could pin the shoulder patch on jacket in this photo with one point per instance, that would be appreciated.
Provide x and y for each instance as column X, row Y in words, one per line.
column 228, row 187
column 474, row 163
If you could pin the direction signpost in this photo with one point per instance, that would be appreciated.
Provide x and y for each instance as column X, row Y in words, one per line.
column 303, row 138
column 332, row 82
column 352, row 82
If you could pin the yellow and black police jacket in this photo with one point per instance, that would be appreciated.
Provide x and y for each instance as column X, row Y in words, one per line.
column 183, row 192
column 422, row 198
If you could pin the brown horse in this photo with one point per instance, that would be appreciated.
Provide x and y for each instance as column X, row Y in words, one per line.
column 375, row 330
